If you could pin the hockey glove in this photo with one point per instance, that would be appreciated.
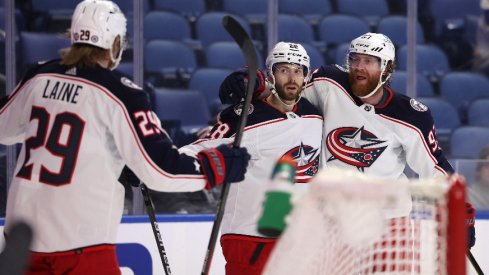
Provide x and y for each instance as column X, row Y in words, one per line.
column 470, row 222
column 223, row 164
column 233, row 90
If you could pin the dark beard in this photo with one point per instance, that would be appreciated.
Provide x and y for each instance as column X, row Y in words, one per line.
column 283, row 95
column 362, row 90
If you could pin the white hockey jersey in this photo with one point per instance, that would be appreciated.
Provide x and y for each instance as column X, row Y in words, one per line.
column 78, row 129
column 378, row 140
column 269, row 134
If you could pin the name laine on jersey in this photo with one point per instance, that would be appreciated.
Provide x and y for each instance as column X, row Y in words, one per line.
column 63, row 91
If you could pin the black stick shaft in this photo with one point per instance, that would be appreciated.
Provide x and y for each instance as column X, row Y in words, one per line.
column 246, row 44
column 156, row 230
column 474, row 263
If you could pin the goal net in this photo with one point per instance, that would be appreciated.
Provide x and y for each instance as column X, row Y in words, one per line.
column 347, row 223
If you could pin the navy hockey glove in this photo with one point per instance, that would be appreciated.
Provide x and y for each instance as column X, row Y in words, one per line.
column 233, row 90
column 470, row 222
column 223, row 164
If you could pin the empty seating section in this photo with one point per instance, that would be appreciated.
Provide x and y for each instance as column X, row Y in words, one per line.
column 168, row 62
column 37, row 47
column 461, row 88
column 166, row 25
column 293, row 28
column 431, row 61
column 224, row 54
column 187, row 52
column 337, row 29
column 189, row 107
column 311, row 10
column 371, row 10
column 208, row 81
column 209, row 27
column 395, row 27
column 449, row 10
column 467, row 141
column 254, row 11
column 191, row 9
column 315, row 55
column 423, row 87
column 478, row 112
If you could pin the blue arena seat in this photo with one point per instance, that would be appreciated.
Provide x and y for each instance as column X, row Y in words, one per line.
column 155, row 22
column 180, row 29
column 37, row 47
column 315, row 55
column 209, row 27
column 187, row 106
column 423, row 87
column 461, row 88
column 254, row 11
column 168, row 62
column 127, row 6
column 467, row 141
column 431, row 61
column 478, row 112
column 446, row 10
column 336, row 29
column 208, row 81
column 52, row 15
column 395, row 27
column 311, row 10
column 191, row 9
column 224, row 54
column 293, row 28
column 340, row 53
column 371, row 10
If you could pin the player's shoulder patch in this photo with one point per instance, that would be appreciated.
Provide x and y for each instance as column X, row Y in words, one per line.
column 418, row 106
column 127, row 82
column 239, row 107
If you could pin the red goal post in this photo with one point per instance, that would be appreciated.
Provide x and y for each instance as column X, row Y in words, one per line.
column 348, row 223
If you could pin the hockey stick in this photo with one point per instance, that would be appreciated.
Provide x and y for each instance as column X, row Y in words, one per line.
column 244, row 41
column 474, row 263
column 156, row 230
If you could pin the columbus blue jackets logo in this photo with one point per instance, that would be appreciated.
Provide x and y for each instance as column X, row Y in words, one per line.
column 239, row 107
column 354, row 146
column 307, row 159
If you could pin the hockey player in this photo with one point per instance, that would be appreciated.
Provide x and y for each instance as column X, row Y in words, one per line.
column 278, row 125
column 79, row 123
column 367, row 126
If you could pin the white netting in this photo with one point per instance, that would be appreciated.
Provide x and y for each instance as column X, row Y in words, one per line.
column 350, row 224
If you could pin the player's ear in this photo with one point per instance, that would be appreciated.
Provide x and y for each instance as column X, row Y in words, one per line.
column 391, row 66
column 116, row 46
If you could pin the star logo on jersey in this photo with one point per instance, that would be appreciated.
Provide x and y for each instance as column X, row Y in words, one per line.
column 354, row 146
column 197, row 166
column 307, row 159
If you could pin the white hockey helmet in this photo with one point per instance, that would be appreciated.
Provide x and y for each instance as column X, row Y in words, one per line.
column 288, row 52
column 375, row 44
column 98, row 23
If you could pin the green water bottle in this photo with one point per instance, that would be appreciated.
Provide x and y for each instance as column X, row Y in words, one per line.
column 277, row 204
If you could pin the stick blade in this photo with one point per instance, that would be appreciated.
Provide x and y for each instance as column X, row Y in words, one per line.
column 243, row 39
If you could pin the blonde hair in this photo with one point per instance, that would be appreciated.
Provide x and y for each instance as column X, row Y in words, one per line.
column 82, row 55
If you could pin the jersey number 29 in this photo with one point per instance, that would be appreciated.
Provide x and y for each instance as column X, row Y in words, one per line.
column 64, row 145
